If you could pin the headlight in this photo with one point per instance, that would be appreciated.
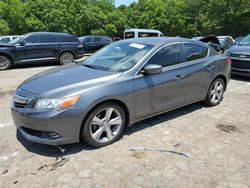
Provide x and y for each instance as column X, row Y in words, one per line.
column 226, row 52
column 57, row 104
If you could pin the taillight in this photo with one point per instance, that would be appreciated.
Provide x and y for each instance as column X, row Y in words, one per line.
column 228, row 61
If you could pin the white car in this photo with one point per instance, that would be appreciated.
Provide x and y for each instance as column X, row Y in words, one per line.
column 6, row 39
column 137, row 33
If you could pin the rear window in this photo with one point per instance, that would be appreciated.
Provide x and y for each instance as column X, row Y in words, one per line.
column 195, row 51
column 129, row 35
column 47, row 38
column 67, row 38
column 147, row 34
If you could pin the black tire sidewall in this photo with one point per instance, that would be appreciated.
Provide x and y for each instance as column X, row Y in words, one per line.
column 85, row 131
column 208, row 97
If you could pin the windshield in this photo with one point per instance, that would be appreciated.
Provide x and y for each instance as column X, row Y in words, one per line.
column 16, row 40
column 117, row 57
column 245, row 41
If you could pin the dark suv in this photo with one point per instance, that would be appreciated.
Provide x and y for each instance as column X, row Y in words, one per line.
column 92, row 43
column 41, row 47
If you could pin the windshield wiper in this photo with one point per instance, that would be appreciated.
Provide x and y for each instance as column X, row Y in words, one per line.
column 89, row 66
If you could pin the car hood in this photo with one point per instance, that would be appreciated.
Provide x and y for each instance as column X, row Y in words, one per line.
column 7, row 45
column 238, row 49
column 66, row 80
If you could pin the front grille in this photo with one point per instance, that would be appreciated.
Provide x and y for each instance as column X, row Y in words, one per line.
column 239, row 64
column 240, row 56
column 19, row 105
column 23, row 99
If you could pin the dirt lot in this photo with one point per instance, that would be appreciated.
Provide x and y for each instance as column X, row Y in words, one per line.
column 194, row 146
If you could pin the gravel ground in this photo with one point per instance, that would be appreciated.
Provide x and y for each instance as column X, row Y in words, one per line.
column 194, row 146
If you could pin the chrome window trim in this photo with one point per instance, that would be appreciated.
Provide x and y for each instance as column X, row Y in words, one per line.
column 177, row 65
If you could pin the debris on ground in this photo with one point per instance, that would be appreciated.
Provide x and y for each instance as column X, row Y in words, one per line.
column 5, row 171
column 140, row 150
column 227, row 128
column 55, row 165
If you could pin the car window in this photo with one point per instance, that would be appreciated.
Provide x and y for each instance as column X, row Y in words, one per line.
column 87, row 39
column 67, row 38
column 32, row 39
column 47, row 38
column 147, row 34
column 105, row 39
column 5, row 40
column 195, row 51
column 97, row 39
column 129, row 35
column 167, row 56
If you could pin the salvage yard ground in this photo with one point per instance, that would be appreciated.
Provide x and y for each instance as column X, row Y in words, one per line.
column 194, row 146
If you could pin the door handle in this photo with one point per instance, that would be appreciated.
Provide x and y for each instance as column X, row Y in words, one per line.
column 210, row 67
column 179, row 77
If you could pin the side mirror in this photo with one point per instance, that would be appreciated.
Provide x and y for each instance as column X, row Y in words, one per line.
column 21, row 43
column 152, row 69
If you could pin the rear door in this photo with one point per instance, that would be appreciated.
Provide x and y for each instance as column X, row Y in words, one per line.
column 166, row 90
column 200, row 68
column 48, row 46
column 97, row 43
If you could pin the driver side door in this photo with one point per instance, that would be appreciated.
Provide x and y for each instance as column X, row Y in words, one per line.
column 156, row 93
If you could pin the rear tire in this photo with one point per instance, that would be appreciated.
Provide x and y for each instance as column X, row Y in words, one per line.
column 5, row 62
column 66, row 58
column 215, row 92
column 104, row 125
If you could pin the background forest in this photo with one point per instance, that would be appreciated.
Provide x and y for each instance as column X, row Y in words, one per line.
column 186, row 18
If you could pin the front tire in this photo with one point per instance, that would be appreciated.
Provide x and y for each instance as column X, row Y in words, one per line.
column 215, row 92
column 104, row 125
column 5, row 62
column 66, row 58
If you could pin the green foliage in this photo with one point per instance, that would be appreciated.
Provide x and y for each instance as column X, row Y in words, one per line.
column 186, row 18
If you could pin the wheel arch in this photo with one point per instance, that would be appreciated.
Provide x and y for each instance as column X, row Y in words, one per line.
column 8, row 55
column 223, row 77
column 67, row 50
column 118, row 102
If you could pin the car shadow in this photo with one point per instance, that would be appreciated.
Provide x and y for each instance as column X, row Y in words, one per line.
column 64, row 150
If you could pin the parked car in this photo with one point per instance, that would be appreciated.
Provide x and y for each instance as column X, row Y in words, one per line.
column 6, row 39
column 240, row 55
column 219, row 43
column 92, row 43
column 238, row 40
column 137, row 33
column 40, row 47
column 123, row 83
column 226, row 41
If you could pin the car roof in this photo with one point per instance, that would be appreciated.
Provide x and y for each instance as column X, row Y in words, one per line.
column 94, row 36
column 53, row 33
column 157, row 41
column 142, row 30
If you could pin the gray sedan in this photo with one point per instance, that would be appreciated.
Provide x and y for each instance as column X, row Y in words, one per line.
column 121, row 84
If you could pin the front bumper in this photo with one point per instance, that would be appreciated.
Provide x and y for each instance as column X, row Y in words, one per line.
column 48, row 127
column 240, row 72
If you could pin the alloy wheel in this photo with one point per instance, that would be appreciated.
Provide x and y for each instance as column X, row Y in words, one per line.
column 106, row 125
column 66, row 58
column 4, row 62
column 216, row 93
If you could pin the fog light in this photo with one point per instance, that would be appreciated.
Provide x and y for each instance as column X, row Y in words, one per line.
column 54, row 135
